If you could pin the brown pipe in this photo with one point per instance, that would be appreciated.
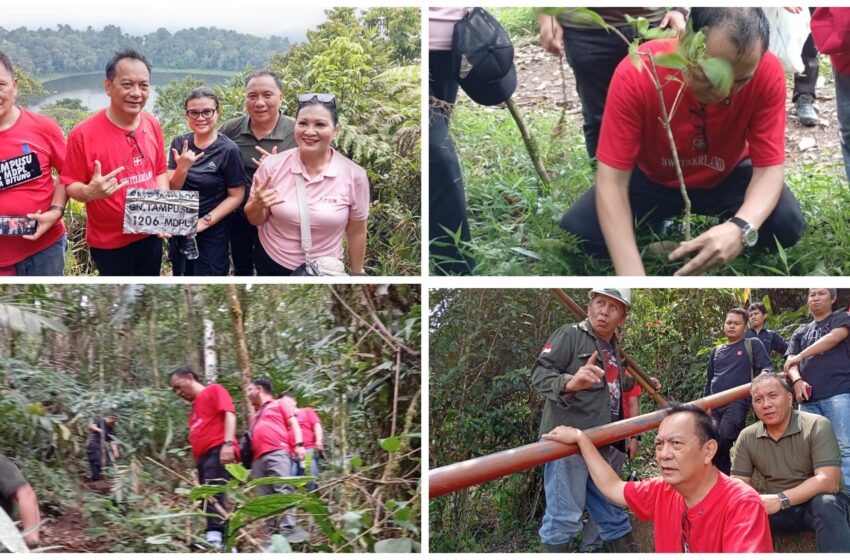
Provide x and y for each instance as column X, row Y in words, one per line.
column 637, row 372
column 451, row 478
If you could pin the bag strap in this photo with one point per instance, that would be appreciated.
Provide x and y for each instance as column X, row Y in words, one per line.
column 748, row 346
column 257, row 419
column 304, row 212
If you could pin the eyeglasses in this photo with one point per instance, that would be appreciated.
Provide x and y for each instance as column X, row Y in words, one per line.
column 195, row 115
column 697, row 119
column 686, row 531
column 133, row 142
column 329, row 98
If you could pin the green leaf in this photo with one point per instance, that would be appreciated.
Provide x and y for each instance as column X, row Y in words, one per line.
column 237, row 471
column 719, row 72
column 297, row 481
column 279, row 544
column 394, row 546
column 158, row 539
column 356, row 462
column 634, row 56
column 658, row 33
column 272, row 504
column 402, row 514
column 390, row 444
column 206, row 491
column 583, row 16
column 672, row 60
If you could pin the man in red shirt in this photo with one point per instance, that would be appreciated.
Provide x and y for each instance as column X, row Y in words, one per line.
column 731, row 147
column 275, row 440
column 30, row 145
column 212, row 431
column 695, row 507
column 311, row 429
column 121, row 146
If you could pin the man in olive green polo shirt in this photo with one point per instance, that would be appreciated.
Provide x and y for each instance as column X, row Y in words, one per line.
column 14, row 488
column 263, row 131
column 797, row 454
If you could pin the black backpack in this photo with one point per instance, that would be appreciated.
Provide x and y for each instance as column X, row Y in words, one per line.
column 246, row 450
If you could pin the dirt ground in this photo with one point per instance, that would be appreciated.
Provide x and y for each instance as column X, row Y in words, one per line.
column 67, row 533
column 539, row 86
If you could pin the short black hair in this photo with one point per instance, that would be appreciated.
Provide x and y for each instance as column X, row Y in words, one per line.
column 744, row 26
column 112, row 65
column 200, row 93
column 263, row 72
column 767, row 374
column 706, row 430
column 757, row 306
column 264, row 384
column 7, row 63
column 739, row 311
column 183, row 373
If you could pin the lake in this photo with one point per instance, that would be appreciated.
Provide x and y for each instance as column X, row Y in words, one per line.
column 88, row 88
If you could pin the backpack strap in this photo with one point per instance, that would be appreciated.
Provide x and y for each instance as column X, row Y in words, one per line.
column 748, row 346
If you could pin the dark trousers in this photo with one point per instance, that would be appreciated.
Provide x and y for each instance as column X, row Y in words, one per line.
column 594, row 54
column 211, row 471
column 243, row 239
column 139, row 258
column 805, row 82
column 655, row 202
column 97, row 457
column 267, row 266
column 447, row 200
column 730, row 421
column 212, row 252
column 828, row 515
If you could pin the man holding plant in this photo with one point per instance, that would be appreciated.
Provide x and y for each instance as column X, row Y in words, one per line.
column 730, row 147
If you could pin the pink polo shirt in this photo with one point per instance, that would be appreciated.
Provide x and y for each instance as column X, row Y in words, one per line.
column 338, row 195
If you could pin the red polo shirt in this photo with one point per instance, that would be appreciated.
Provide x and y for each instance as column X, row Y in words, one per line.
column 271, row 432
column 206, row 420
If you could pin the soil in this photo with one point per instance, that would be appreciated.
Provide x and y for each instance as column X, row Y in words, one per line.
column 539, row 86
column 67, row 533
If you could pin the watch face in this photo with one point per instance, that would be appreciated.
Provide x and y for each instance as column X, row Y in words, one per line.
column 751, row 236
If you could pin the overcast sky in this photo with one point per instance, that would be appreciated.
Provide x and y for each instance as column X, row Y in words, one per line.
column 257, row 17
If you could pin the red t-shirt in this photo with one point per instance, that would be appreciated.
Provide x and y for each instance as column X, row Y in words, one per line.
column 307, row 418
column 710, row 139
column 142, row 154
column 206, row 420
column 730, row 518
column 28, row 149
column 635, row 391
column 271, row 433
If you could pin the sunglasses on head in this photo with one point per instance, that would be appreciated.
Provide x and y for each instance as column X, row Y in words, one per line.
column 320, row 97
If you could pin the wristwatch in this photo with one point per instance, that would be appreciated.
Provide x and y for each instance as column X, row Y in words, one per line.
column 749, row 234
column 228, row 442
column 784, row 501
column 208, row 219
column 299, row 444
column 57, row 207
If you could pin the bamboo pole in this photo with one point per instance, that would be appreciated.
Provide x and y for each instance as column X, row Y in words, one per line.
column 451, row 478
column 637, row 372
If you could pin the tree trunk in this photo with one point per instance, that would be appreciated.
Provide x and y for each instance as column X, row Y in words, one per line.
column 241, row 348
column 152, row 353
column 191, row 338
column 210, row 358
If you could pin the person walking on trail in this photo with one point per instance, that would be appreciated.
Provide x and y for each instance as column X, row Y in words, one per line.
column 731, row 364
column 693, row 506
column 14, row 489
column 102, row 449
column 582, row 379
column 314, row 440
column 276, row 442
column 212, row 434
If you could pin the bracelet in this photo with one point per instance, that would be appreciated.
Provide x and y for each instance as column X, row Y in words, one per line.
column 796, row 380
column 57, row 207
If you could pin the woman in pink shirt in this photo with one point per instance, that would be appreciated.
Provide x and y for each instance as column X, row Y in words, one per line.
column 337, row 192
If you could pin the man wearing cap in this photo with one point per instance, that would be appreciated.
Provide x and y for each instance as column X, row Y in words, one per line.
column 823, row 367
column 797, row 455
column 582, row 379
column 693, row 506
column 730, row 146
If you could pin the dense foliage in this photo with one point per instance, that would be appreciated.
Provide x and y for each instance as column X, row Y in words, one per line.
column 69, row 352
column 64, row 49
column 483, row 344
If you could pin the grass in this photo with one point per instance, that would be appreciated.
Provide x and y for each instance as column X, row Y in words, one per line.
column 514, row 220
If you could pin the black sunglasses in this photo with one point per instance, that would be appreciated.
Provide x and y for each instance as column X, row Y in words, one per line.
column 305, row 98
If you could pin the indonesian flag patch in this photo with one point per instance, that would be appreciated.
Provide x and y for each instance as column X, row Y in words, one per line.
column 546, row 349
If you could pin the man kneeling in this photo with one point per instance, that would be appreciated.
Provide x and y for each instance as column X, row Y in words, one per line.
column 695, row 507
column 797, row 454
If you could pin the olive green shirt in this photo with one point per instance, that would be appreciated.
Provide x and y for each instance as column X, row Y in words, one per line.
column 10, row 480
column 239, row 130
column 808, row 443
column 567, row 350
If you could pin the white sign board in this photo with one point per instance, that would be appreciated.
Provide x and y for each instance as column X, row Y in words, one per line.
column 156, row 211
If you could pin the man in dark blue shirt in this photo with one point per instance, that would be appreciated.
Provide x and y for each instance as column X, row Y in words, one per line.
column 732, row 364
column 102, row 449
column 773, row 342
column 827, row 373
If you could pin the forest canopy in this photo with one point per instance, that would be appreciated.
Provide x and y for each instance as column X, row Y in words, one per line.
column 72, row 353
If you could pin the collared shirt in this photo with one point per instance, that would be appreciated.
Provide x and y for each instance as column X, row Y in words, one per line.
column 10, row 480
column 239, row 130
column 808, row 443
column 773, row 342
